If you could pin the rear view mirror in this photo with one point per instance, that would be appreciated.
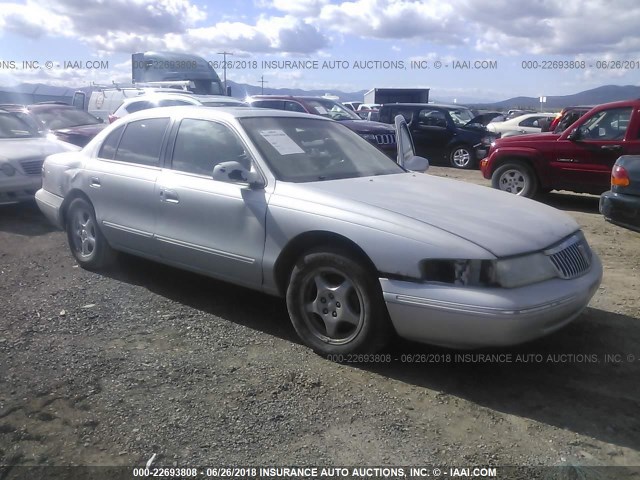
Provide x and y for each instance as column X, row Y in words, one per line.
column 417, row 164
column 234, row 172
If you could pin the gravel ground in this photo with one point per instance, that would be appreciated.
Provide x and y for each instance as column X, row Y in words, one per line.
column 109, row 368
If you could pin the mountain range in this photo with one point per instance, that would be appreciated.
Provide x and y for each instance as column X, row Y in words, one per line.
column 30, row 93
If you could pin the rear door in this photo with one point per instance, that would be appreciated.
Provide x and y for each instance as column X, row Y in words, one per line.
column 121, row 184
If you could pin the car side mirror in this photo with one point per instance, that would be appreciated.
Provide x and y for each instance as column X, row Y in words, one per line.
column 417, row 164
column 234, row 172
column 575, row 135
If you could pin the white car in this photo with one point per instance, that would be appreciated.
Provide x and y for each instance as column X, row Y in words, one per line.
column 528, row 123
column 153, row 100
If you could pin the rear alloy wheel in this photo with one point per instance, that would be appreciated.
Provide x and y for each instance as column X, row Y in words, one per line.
column 517, row 178
column 87, row 244
column 462, row 156
column 336, row 305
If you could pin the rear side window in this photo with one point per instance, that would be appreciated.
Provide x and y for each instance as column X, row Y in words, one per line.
column 432, row 118
column 110, row 144
column 277, row 104
column 173, row 103
column 294, row 107
column 141, row 142
column 137, row 106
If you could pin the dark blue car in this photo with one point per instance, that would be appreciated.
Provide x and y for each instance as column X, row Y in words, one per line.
column 621, row 205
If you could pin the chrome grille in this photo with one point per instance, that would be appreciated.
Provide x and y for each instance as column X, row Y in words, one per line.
column 32, row 167
column 571, row 258
column 386, row 138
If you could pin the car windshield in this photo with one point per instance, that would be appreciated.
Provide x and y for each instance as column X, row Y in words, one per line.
column 461, row 116
column 308, row 150
column 57, row 118
column 330, row 109
column 15, row 125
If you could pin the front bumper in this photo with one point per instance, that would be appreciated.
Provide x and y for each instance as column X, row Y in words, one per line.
column 51, row 206
column 18, row 188
column 463, row 317
column 621, row 209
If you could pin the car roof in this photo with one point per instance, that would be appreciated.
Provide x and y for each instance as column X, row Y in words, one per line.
column 48, row 106
column 225, row 113
column 426, row 105
column 290, row 97
column 182, row 95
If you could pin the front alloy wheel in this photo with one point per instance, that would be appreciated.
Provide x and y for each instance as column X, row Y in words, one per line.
column 462, row 157
column 336, row 305
column 516, row 178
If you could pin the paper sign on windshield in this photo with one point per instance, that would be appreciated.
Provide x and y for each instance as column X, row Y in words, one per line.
column 281, row 142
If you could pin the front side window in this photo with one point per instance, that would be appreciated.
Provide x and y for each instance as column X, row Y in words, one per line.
column 141, row 142
column 607, row 125
column 308, row 150
column 432, row 118
column 173, row 103
column 530, row 122
column 202, row 144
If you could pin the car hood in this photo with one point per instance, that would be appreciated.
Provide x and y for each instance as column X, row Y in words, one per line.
column 501, row 223
column 366, row 126
column 84, row 130
column 530, row 137
column 32, row 148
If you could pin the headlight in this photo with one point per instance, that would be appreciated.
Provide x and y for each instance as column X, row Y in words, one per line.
column 369, row 137
column 8, row 169
column 519, row 271
column 460, row 272
column 507, row 273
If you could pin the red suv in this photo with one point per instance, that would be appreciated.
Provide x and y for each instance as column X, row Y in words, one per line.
column 580, row 159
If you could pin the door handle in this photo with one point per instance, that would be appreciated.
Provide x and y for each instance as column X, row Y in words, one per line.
column 169, row 196
column 611, row 148
column 94, row 182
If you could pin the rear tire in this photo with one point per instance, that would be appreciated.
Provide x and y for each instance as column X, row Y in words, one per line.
column 87, row 243
column 336, row 304
column 515, row 177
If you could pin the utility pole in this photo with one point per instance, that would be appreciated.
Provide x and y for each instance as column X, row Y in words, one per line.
column 224, row 68
column 262, row 81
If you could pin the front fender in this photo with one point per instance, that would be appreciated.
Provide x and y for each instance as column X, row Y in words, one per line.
column 395, row 248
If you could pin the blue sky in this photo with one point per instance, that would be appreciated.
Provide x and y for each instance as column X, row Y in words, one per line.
column 511, row 35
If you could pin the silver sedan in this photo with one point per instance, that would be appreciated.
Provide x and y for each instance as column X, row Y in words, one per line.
column 301, row 207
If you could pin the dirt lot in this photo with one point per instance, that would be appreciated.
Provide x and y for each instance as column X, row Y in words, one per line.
column 107, row 369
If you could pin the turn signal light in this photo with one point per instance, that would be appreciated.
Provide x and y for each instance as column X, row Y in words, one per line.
column 619, row 176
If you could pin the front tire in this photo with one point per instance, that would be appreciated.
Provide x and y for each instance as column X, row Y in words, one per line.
column 336, row 305
column 462, row 156
column 87, row 244
column 517, row 178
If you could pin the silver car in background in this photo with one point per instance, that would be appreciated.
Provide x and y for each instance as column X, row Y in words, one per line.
column 23, row 148
column 299, row 206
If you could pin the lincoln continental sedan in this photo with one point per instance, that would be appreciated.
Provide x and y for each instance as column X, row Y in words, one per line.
column 362, row 247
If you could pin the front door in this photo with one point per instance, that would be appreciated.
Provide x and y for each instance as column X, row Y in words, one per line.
column 587, row 160
column 206, row 225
